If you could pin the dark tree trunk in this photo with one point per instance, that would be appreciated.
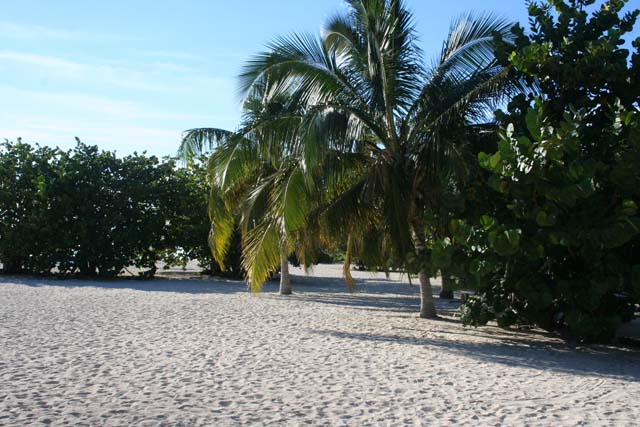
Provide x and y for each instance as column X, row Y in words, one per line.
column 447, row 286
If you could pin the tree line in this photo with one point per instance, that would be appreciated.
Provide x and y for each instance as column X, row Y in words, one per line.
column 88, row 212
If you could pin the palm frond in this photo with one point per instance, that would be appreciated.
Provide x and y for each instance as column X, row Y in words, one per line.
column 469, row 45
column 261, row 253
column 298, row 63
column 222, row 227
column 200, row 141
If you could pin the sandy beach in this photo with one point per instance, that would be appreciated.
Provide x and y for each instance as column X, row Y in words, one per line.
column 175, row 352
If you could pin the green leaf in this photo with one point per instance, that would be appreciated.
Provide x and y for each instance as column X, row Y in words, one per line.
column 441, row 254
column 483, row 158
column 461, row 231
column 496, row 183
column 533, row 124
column 494, row 161
column 629, row 207
column 487, row 222
column 505, row 243
column 524, row 142
column 545, row 220
column 480, row 268
column 534, row 251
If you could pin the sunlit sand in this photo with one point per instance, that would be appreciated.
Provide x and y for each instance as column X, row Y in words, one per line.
column 205, row 352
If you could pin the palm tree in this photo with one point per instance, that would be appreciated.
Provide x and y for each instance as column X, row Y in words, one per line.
column 365, row 92
column 255, row 181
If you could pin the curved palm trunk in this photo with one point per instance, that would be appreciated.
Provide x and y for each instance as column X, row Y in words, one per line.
column 346, row 267
column 285, row 277
column 427, row 307
column 447, row 286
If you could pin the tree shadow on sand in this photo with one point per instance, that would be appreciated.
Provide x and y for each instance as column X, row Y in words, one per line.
column 374, row 294
column 373, row 285
column 196, row 284
column 371, row 294
column 191, row 285
column 533, row 350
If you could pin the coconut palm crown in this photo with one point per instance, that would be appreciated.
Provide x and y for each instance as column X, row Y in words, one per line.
column 257, row 183
column 365, row 92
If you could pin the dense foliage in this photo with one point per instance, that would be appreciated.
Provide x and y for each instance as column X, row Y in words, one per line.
column 89, row 212
column 556, row 241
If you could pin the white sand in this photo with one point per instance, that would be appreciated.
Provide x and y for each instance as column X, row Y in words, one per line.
column 206, row 353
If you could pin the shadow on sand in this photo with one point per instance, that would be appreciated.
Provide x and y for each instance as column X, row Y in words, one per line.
column 374, row 294
column 365, row 295
column 190, row 285
column 533, row 350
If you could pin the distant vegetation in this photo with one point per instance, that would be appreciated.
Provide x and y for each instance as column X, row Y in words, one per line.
column 87, row 212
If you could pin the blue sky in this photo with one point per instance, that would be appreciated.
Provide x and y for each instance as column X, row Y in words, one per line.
column 132, row 75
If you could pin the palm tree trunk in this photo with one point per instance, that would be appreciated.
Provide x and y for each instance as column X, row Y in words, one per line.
column 447, row 286
column 285, row 278
column 346, row 267
column 427, row 307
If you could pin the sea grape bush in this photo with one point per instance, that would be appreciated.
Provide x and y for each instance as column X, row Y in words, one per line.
column 558, row 244
column 190, row 229
column 25, row 235
column 88, row 212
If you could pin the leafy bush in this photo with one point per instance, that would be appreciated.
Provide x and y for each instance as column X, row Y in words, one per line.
column 25, row 235
column 190, row 225
column 558, row 243
column 89, row 212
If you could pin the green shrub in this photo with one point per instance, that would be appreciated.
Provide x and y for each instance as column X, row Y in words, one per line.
column 558, row 243
column 26, row 238
column 190, row 224
column 89, row 212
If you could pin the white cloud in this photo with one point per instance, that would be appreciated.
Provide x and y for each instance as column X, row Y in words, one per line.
column 70, row 70
column 146, row 76
column 100, row 106
column 122, row 139
column 123, row 101
column 72, row 101
column 28, row 31
column 39, row 61
column 55, row 118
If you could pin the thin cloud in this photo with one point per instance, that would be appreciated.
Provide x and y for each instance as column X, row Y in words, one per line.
column 40, row 61
column 218, row 52
column 124, row 139
column 99, row 105
column 71, row 70
column 167, row 55
column 125, row 75
column 14, row 30
column 55, row 118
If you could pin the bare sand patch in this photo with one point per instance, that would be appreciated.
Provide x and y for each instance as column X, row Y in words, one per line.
column 206, row 353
